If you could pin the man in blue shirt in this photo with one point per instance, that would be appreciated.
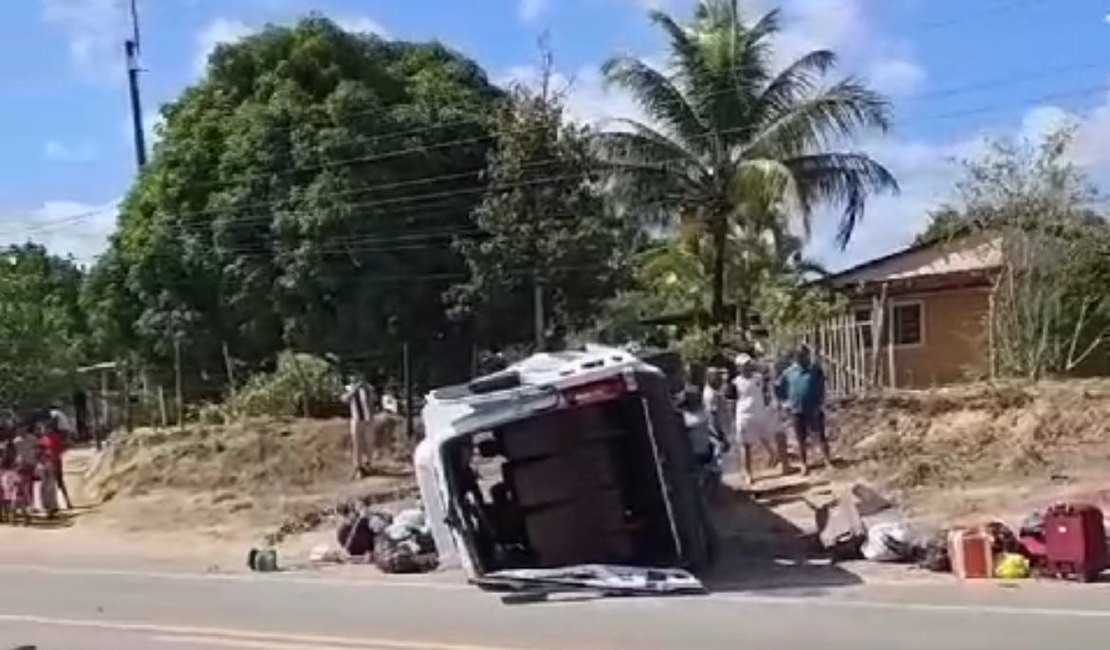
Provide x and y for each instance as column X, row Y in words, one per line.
column 802, row 388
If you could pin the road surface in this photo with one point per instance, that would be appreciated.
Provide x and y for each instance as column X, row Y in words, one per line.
column 122, row 609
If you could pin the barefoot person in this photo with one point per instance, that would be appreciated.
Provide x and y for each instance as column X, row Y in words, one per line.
column 754, row 421
column 26, row 447
column 803, row 386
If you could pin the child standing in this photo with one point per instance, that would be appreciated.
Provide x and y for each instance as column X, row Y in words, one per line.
column 13, row 495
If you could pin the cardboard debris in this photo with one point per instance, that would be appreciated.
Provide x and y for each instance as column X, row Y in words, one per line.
column 842, row 523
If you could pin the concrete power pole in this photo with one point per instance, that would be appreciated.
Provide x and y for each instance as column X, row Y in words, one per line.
column 131, row 50
column 538, row 314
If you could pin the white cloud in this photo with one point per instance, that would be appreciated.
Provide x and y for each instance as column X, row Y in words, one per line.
column 530, row 9
column 64, row 227
column 927, row 173
column 95, row 30
column 896, row 77
column 216, row 33
column 60, row 152
column 362, row 25
column 586, row 97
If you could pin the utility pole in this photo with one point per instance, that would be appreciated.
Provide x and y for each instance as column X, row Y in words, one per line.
column 548, row 66
column 131, row 50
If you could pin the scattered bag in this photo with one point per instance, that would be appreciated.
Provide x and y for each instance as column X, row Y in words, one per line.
column 888, row 542
column 1003, row 539
column 840, row 528
column 358, row 529
column 262, row 559
column 1011, row 566
column 935, row 556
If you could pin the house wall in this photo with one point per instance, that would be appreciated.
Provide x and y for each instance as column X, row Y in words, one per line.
column 954, row 345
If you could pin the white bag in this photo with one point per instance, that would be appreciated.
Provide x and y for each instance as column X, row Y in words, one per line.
column 884, row 539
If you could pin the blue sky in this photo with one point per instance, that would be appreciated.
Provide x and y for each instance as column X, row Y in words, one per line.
column 956, row 70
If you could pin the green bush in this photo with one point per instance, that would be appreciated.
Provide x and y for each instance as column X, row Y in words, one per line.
column 301, row 385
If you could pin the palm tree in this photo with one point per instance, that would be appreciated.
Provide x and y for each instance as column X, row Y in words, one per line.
column 733, row 147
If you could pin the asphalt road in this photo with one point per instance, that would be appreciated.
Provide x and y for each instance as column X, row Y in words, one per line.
column 92, row 609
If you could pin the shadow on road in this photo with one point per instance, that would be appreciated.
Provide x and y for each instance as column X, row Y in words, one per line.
column 763, row 551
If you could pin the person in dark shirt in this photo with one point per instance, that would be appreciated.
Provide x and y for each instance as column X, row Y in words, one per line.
column 802, row 387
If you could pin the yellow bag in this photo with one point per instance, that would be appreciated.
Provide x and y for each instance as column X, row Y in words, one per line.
column 1011, row 566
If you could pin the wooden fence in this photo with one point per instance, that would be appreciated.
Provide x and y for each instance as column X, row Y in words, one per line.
column 857, row 354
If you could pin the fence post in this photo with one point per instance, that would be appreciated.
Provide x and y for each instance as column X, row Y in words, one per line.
column 177, row 390
column 406, row 360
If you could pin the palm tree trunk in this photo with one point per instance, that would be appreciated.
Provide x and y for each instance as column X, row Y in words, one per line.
column 719, row 232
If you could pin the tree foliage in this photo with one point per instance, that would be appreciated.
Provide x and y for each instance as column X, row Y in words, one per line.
column 42, row 327
column 303, row 195
column 544, row 221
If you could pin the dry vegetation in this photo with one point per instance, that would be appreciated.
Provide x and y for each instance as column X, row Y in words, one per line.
column 249, row 476
column 977, row 434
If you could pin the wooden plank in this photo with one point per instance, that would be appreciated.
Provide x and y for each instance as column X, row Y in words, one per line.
column 849, row 371
column 842, row 370
column 861, row 355
column 893, row 383
column 878, row 323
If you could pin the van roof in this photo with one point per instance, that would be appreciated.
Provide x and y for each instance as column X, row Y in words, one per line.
column 540, row 374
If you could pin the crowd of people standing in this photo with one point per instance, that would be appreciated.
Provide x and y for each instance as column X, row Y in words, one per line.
column 756, row 403
column 31, row 468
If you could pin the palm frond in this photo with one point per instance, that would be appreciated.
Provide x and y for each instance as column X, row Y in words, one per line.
column 649, row 165
column 846, row 179
column 690, row 69
column 737, row 58
column 835, row 114
column 796, row 83
column 767, row 192
column 655, row 93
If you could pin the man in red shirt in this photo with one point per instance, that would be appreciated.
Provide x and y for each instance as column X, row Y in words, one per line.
column 53, row 447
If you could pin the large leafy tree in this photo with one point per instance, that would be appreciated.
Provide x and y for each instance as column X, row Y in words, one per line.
column 41, row 326
column 304, row 194
column 544, row 226
column 734, row 149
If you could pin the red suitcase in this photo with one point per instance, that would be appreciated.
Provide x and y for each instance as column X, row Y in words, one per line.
column 1075, row 541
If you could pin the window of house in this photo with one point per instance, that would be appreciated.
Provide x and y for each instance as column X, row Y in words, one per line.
column 864, row 325
column 906, row 323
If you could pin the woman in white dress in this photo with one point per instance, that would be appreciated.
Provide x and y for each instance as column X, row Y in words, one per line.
column 755, row 417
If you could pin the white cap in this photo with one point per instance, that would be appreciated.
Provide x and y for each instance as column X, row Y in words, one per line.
column 743, row 359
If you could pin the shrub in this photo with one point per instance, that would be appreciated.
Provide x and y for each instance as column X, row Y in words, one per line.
column 301, row 385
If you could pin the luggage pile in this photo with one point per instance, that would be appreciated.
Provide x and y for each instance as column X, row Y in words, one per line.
column 401, row 544
column 1066, row 541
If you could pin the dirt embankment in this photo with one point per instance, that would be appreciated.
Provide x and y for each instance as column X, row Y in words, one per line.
column 944, row 454
column 979, row 446
column 242, row 478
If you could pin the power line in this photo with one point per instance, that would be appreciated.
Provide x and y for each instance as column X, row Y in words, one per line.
column 476, row 172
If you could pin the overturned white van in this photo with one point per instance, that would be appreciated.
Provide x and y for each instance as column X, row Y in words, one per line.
column 563, row 460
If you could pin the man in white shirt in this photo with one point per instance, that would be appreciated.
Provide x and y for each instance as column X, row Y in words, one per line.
column 61, row 420
column 359, row 395
column 756, row 423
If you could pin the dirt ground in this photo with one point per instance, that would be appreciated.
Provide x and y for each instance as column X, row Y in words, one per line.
column 206, row 494
column 955, row 455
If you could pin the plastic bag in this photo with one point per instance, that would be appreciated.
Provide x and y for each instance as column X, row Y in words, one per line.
column 1011, row 566
column 887, row 542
